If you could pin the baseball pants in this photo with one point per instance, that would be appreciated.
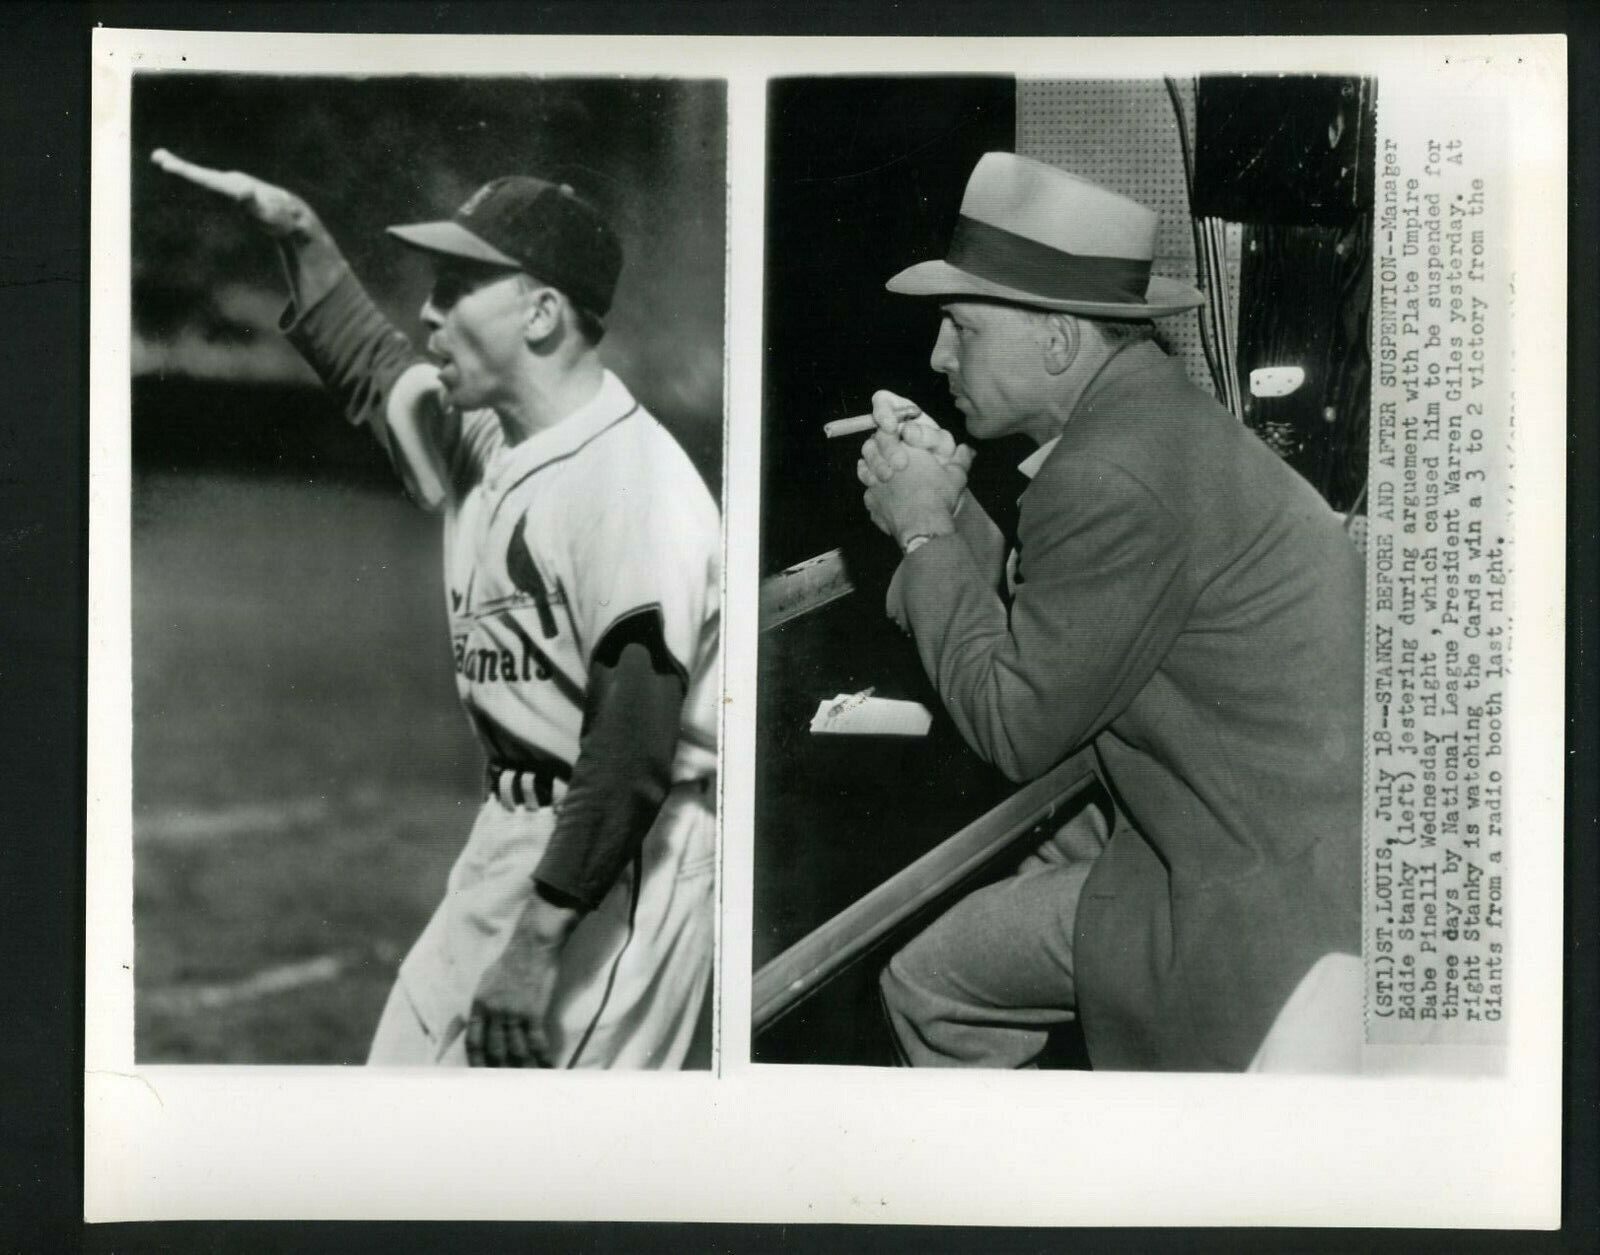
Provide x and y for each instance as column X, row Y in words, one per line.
column 634, row 974
column 983, row 985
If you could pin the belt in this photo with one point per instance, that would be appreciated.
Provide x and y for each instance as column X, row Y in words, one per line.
column 522, row 789
column 531, row 789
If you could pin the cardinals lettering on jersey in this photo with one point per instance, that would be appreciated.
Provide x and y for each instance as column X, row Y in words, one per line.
column 480, row 663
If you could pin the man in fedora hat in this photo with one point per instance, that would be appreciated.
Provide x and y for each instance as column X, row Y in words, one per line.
column 1179, row 598
column 582, row 563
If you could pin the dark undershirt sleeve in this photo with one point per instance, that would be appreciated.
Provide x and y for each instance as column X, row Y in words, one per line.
column 356, row 351
column 632, row 713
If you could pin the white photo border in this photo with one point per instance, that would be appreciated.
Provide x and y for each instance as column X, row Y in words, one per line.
column 798, row 1144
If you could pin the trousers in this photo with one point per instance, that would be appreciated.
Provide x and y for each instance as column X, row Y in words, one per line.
column 983, row 985
column 634, row 974
column 986, row 982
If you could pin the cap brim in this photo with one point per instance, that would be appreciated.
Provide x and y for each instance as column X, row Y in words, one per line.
column 939, row 278
column 451, row 239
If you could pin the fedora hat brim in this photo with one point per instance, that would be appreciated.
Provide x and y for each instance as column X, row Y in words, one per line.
column 1163, row 296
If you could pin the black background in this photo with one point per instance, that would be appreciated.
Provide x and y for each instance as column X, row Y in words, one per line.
column 43, row 496
column 864, row 178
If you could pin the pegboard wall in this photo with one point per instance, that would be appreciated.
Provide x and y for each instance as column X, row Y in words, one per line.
column 1123, row 134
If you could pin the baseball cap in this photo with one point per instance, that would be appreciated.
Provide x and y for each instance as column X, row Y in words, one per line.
column 528, row 224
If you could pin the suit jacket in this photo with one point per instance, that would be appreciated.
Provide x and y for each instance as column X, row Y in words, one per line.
column 1190, row 604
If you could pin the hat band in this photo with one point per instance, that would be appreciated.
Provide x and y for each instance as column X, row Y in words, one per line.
column 992, row 252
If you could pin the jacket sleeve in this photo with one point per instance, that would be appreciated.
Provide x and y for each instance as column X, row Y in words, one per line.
column 984, row 540
column 1102, row 592
column 380, row 382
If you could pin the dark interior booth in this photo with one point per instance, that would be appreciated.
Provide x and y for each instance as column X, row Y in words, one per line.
column 1264, row 187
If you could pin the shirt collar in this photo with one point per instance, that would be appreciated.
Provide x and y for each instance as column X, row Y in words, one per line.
column 1030, row 465
column 611, row 404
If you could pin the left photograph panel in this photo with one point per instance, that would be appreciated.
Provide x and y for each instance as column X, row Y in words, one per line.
column 426, row 533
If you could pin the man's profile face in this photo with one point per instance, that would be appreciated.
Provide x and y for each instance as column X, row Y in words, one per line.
column 993, row 358
column 475, row 316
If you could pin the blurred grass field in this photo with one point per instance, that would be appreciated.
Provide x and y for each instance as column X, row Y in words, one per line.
column 303, row 775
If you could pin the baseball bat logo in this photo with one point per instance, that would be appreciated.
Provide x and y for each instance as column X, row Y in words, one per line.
column 525, row 577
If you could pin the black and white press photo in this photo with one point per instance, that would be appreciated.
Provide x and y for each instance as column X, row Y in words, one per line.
column 426, row 464
column 942, row 593
column 1060, row 741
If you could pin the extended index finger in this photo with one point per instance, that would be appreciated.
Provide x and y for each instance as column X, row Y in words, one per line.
column 229, row 183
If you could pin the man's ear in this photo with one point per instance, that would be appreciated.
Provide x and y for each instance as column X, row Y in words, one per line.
column 541, row 315
column 1063, row 342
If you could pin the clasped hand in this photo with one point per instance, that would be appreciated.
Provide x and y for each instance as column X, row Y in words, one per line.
column 913, row 470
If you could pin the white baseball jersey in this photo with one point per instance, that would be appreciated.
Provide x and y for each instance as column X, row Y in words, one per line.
column 548, row 545
column 551, row 543
column 597, row 523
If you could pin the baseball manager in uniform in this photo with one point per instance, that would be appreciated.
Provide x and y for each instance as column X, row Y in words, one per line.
column 581, row 555
column 1179, row 599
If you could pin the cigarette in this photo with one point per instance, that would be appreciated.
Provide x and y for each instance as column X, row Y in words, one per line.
column 858, row 423
column 852, row 426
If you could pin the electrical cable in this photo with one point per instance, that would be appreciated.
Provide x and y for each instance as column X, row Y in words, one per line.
column 1229, row 354
column 1208, row 313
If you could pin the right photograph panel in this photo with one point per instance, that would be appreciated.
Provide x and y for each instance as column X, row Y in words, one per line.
column 1065, row 433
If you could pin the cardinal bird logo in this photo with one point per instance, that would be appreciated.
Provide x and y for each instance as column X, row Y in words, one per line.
column 525, row 577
